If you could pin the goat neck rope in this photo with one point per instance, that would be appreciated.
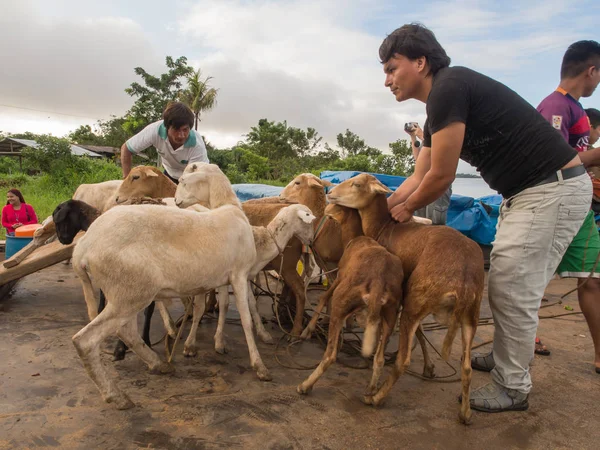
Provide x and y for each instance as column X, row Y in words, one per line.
column 320, row 226
column 279, row 249
column 390, row 220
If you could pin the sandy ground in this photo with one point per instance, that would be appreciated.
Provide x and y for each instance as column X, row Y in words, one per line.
column 215, row 401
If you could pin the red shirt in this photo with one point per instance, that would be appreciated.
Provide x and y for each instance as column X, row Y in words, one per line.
column 24, row 216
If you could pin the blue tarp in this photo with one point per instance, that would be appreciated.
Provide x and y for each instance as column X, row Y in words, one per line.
column 474, row 217
column 249, row 191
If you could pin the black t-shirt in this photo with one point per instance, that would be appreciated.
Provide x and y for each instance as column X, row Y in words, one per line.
column 506, row 139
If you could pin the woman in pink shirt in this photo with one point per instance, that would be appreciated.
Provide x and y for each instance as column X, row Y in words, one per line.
column 16, row 213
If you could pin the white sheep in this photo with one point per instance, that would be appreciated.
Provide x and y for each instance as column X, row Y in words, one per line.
column 294, row 220
column 153, row 255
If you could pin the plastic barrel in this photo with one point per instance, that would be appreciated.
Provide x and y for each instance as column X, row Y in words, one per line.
column 14, row 244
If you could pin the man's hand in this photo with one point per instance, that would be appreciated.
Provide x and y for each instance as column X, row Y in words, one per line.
column 401, row 213
column 17, row 225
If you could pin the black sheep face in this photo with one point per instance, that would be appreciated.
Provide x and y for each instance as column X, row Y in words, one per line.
column 68, row 220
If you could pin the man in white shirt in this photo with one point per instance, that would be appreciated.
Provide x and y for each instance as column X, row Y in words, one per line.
column 173, row 137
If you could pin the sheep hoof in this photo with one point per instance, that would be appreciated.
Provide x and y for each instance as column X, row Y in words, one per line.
column 429, row 371
column 162, row 369
column 122, row 401
column 367, row 399
column 306, row 334
column 266, row 337
column 303, row 390
column 189, row 351
column 376, row 401
column 465, row 418
column 263, row 374
column 221, row 349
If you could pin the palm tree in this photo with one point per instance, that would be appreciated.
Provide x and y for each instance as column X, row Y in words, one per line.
column 199, row 96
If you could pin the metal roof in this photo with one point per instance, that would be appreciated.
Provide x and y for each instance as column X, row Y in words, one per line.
column 75, row 149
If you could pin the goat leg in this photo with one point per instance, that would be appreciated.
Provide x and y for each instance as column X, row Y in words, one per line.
column 389, row 315
column 147, row 320
column 428, row 366
column 333, row 341
column 408, row 327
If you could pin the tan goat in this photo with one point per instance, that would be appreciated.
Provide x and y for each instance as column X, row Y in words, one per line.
column 369, row 278
column 444, row 272
column 308, row 190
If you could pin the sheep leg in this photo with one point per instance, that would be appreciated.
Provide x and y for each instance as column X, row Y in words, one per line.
column 102, row 303
column 330, row 355
column 389, row 316
column 240, row 290
column 189, row 348
column 222, row 294
column 428, row 366
column 293, row 280
column 167, row 319
column 468, row 333
column 147, row 320
column 408, row 327
column 129, row 333
column 263, row 334
column 325, row 300
column 87, row 343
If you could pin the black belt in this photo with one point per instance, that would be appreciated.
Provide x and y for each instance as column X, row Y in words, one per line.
column 571, row 172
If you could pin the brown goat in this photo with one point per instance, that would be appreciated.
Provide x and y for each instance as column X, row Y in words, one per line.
column 145, row 181
column 369, row 278
column 444, row 272
column 306, row 189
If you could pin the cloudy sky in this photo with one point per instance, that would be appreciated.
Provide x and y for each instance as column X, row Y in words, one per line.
column 312, row 63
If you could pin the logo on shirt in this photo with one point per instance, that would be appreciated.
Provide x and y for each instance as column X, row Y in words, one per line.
column 184, row 161
column 557, row 122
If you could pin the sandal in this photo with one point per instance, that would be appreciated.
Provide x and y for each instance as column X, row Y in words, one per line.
column 540, row 348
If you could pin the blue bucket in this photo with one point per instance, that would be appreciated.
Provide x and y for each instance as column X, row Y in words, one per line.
column 14, row 244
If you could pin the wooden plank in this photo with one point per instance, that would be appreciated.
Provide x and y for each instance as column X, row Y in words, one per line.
column 41, row 258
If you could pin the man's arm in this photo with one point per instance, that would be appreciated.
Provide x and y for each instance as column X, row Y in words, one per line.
column 446, row 146
column 591, row 157
column 411, row 184
column 125, row 160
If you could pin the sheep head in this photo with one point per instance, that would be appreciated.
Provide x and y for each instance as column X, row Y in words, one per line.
column 344, row 215
column 69, row 220
column 304, row 184
column 144, row 181
column 301, row 219
column 357, row 192
column 194, row 184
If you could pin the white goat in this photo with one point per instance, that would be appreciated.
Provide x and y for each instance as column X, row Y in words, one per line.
column 153, row 255
column 294, row 220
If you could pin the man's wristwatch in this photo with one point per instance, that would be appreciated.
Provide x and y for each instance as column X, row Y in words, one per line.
column 416, row 143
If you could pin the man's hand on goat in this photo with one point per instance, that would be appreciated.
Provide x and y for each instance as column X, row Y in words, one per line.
column 401, row 213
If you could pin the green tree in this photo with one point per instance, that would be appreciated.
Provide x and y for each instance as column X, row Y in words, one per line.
column 405, row 163
column 84, row 135
column 277, row 140
column 199, row 96
column 155, row 93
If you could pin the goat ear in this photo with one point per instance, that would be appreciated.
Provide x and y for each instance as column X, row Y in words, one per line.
column 306, row 216
column 326, row 183
column 314, row 183
column 150, row 173
column 195, row 177
column 60, row 213
column 378, row 188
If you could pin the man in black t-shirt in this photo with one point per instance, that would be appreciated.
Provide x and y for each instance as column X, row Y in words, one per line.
column 545, row 188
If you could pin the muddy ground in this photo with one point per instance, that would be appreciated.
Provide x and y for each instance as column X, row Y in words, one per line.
column 215, row 401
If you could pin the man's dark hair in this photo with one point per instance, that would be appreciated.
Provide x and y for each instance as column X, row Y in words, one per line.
column 579, row 57
column 413, row 41
column 594, row 116
column 177, row 115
